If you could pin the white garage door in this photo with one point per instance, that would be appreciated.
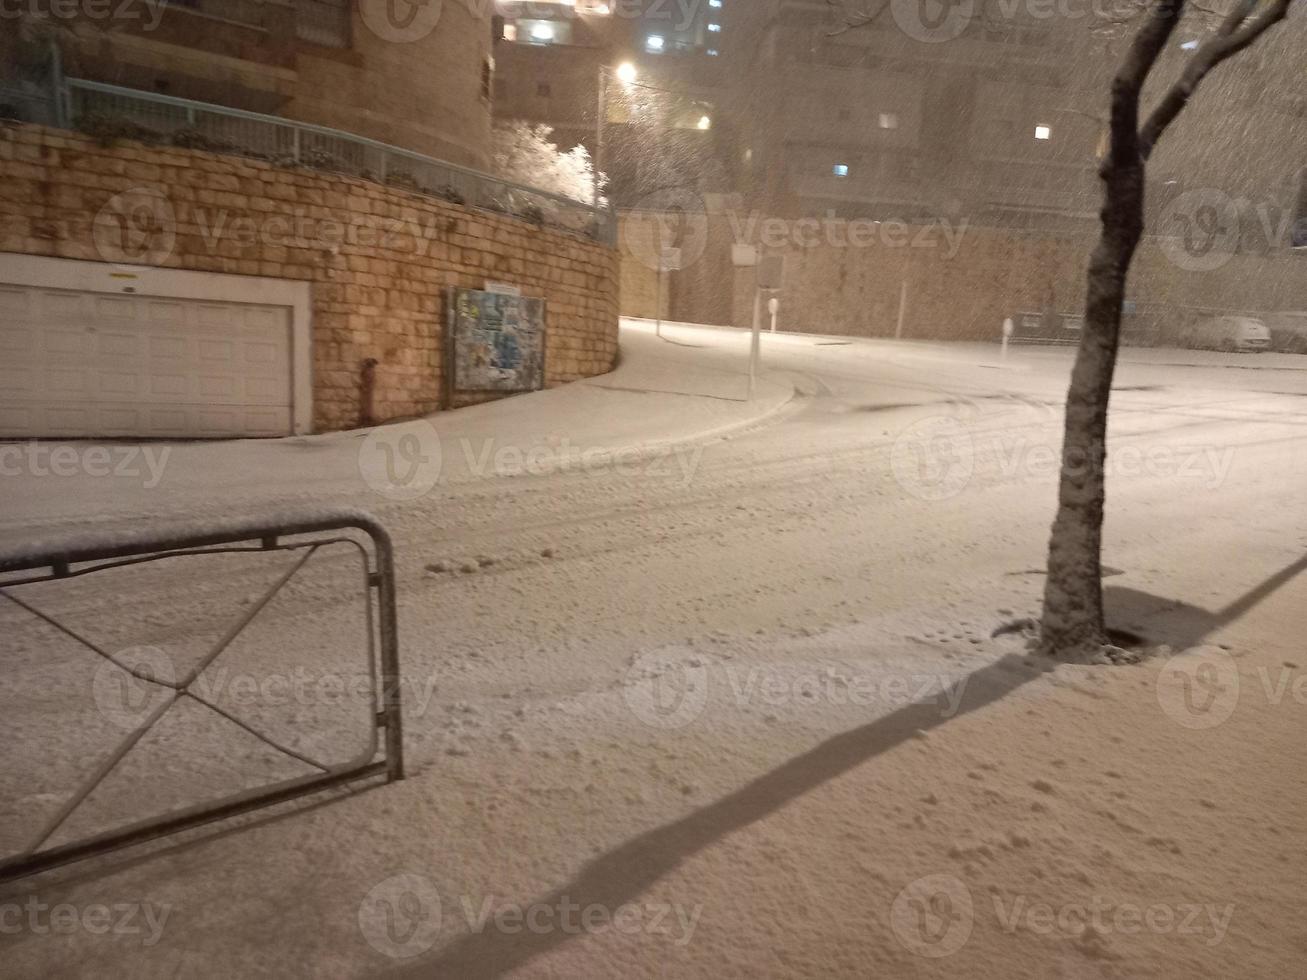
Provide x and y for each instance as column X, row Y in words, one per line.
column 83, row 363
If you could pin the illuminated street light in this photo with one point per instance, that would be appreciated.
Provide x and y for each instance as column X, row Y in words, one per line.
column 626, row 73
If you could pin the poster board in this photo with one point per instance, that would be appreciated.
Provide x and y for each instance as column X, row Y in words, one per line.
column 496, row 342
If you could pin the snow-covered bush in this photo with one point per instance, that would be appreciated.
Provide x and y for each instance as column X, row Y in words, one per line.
column 526, row 154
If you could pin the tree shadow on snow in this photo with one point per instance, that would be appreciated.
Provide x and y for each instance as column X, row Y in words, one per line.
column 627, row 871
column 1180, row 624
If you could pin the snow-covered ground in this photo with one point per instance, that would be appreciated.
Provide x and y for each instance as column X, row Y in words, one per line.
column 717, row 693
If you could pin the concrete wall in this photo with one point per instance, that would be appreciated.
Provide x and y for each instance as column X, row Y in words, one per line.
column 379, row 258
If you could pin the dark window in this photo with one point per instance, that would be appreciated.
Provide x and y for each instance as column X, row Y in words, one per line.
column 543, row 90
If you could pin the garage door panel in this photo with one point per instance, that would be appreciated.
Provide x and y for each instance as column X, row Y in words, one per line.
column 89, row 364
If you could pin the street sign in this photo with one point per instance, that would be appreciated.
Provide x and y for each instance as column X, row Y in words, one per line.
column 744, row 255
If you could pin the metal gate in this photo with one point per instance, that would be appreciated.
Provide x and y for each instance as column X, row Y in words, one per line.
column 300, row 534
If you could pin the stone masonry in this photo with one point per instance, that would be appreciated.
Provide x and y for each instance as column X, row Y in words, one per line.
column 379, row 258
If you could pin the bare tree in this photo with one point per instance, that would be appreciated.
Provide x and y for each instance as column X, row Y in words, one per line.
column 1073, row 625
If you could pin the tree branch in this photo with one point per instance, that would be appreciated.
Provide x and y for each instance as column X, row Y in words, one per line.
column 1144, row 51
column 1237, row 31
column 856, row 20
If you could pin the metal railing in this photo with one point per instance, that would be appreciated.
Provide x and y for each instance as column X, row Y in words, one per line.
column 299, row 535
column 290, row 143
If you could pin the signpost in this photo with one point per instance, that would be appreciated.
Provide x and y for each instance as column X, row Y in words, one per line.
column 669, row 260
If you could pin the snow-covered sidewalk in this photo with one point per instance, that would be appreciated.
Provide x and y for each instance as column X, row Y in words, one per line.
column 665, row 398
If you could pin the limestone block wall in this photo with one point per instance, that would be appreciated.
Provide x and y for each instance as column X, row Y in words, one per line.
column 379, row 258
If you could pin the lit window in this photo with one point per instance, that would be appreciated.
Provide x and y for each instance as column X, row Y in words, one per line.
column 712, row 52
column 654, row 42
column 889, row 120
column 840, row 170
column 1188, row 45
column 510, row 32
column 1043, row 132
column 715, row 3
column 705, row 122
column 542, row 32
column 715, row 28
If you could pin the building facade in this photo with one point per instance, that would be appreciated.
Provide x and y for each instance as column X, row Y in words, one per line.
column 420, row 82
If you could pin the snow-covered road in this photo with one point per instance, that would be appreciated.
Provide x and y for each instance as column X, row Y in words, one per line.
column 851, row 768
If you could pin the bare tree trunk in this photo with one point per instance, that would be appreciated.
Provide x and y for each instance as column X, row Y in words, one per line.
column 1073, row 626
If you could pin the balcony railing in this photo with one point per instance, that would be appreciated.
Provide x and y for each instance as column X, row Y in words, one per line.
column 289, row 143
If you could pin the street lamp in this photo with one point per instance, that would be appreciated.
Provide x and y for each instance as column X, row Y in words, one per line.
column 626, row 74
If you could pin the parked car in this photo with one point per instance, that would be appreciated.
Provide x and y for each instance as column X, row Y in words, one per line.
column 1047, row 327
column 1228, row 332
column 1288, row 331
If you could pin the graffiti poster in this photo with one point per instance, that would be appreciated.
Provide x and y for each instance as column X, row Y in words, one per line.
column 497, row 341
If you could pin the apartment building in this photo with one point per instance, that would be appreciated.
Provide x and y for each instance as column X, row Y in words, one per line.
column 420, row 81
column 654, row 68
